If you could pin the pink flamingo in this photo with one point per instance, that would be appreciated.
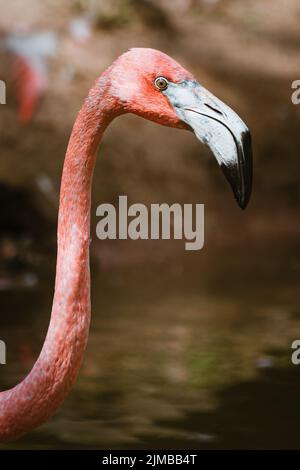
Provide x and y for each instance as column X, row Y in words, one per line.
column 30, row 52
column 150, row 84
column 30, row 86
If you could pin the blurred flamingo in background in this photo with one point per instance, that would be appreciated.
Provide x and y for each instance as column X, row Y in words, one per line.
column 30, row 52
column 149, row 84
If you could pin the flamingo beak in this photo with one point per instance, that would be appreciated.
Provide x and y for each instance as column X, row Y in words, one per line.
column 219, row 127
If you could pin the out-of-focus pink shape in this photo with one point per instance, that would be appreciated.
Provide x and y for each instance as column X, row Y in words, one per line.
column 29, row 68
column 30, row 86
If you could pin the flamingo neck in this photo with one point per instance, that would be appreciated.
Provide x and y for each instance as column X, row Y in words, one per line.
column 36, row 398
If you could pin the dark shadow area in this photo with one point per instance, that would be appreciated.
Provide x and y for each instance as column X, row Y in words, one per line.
column 260, row 414
column 26, row 238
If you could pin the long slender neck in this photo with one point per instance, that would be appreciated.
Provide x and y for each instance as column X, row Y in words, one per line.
column 36, row 398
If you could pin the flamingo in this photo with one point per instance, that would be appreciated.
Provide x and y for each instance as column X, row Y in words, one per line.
column 30, row 53
column 150, row 84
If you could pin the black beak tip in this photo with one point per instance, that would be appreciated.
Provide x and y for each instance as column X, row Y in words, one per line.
column 239, row 174
column 245, row 170
column 242, row 202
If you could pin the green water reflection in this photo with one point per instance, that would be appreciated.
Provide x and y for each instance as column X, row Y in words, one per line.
column 193, row 352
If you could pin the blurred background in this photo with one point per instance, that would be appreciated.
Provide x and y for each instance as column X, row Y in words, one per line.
column 186, row 349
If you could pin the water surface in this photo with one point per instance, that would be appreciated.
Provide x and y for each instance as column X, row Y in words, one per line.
column 191, row 352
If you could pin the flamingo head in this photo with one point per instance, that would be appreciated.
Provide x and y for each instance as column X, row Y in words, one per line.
column 150, row 84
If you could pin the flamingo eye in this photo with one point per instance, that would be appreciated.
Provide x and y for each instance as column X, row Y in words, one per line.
column 161, row 83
